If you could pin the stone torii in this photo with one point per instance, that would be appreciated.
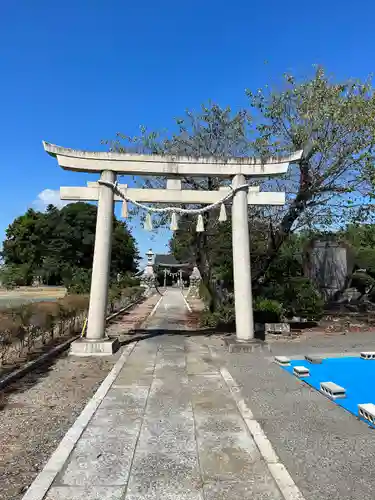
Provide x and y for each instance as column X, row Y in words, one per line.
column 109, row 164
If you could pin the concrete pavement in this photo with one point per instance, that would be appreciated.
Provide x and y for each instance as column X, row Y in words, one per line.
column 167, row 423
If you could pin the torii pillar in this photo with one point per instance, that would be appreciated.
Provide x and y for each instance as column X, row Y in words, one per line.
column 101, row 266
column 95, row 342
column 241, row 263
column 111, row 163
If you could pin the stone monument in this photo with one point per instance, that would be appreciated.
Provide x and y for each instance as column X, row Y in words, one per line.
column 327, row 267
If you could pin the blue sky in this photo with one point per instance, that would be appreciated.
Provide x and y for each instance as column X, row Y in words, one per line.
column 75, row 72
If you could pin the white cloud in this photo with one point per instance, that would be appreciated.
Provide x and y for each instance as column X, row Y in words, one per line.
column 48, row 197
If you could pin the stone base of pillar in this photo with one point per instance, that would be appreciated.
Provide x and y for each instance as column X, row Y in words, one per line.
column 101, row 347
column 253, row 345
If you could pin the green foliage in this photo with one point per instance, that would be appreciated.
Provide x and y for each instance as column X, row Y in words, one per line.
column 204, row 293
column 364, row 258
column 79, row 281
column 298, row 296
column 58, row 246
column 15, row 275
column 119, row 297
column 361, row 241
column 134, row 292
column 219, row 245
column 333, row 122
column 264, row 305
column 114, row 294
column 127, row 281
column 359, row 235
column 288, row 263
column 363, row 282
column 124, row 257
column 265, row 310
column 222, row 316
column 212, row 131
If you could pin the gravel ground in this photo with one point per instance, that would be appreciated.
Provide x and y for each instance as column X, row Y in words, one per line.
column 37, row 411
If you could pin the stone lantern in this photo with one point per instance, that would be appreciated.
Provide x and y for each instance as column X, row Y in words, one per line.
column 195, row 280
column 148, row 279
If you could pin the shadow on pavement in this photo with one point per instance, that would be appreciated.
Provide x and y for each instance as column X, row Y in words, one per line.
column 143, row 334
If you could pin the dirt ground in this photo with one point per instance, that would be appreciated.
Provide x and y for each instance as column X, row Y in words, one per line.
column 37, row 411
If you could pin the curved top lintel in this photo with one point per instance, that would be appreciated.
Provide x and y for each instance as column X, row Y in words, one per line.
column 54, row 150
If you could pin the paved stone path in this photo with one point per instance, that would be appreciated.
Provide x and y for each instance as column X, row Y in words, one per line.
column 168, row 428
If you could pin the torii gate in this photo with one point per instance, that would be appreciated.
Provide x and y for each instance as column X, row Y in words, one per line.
column 110, row 164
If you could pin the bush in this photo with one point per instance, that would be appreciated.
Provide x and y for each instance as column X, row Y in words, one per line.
column 127, row 281
column 24, row 332
column 23, row 326
column 365, row 259
column 73, row 304
column 9, row 333
column 224, row 315
column 118, row 297
column 134, row 292
column 305, row 299
column 114, row 296
column 362, row 281
column 267, row 310
column 13, row 276
column 298, row 296
column 204, row 293
column 44, row 312
column 79, row 281
column 45, row 317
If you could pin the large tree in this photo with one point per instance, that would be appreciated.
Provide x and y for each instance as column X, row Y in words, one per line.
column 56, row 244
column 334, row 123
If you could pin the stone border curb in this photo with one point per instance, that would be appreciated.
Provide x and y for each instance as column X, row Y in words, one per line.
column 45, row 478
column 284, row 481
column 30, row 365
column 156, row 306
column 186, row 303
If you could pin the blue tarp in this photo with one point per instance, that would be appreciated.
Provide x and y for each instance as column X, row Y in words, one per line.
column 355, row 374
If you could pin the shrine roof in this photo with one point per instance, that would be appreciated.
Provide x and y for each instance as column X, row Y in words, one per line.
column 168, row 260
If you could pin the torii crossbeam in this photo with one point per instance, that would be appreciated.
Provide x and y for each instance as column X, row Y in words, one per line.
column 173, row 167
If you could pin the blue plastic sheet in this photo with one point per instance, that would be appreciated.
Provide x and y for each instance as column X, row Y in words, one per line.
column 355, row 374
